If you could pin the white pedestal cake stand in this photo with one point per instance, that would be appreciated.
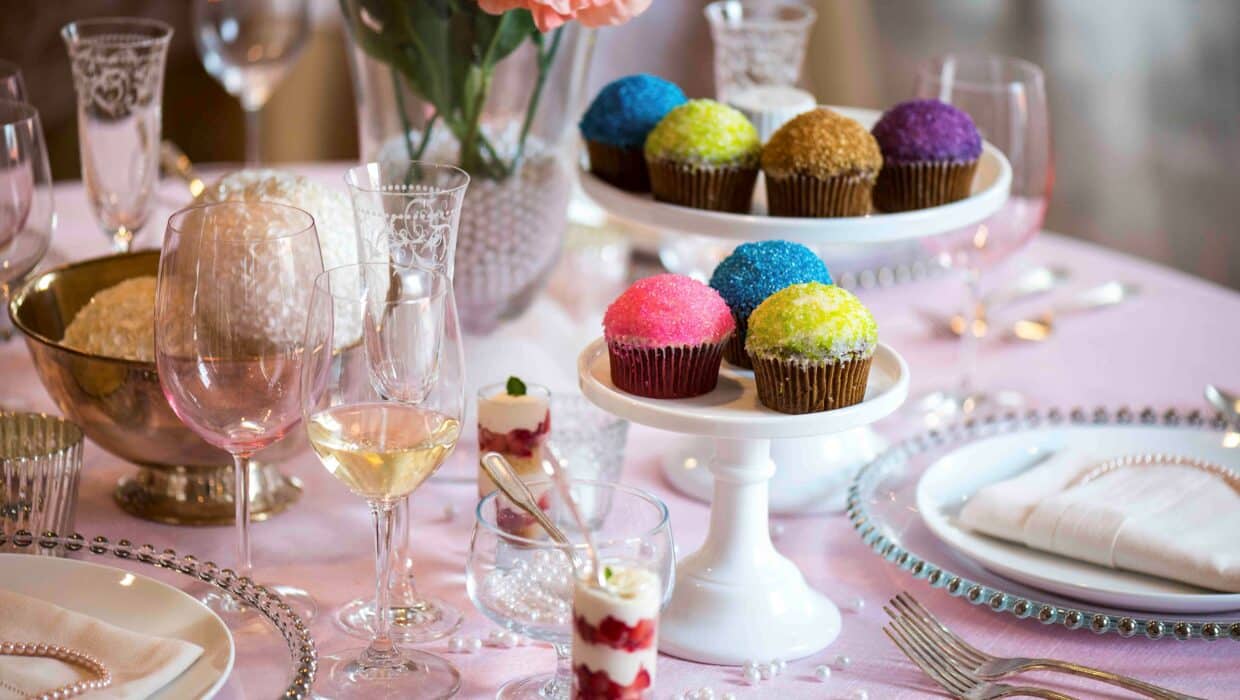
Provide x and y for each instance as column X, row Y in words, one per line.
column 737, row 598
column 815, row 469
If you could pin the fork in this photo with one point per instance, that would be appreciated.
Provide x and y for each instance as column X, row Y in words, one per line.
column 911, row 616
column 956, row 680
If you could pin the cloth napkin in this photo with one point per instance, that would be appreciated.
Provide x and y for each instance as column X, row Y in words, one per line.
column 140, row 664
column 1175, row 522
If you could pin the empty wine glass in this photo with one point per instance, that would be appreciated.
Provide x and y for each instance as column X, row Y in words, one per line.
column 12, row 86
column 249, row 46
column 230, row 319
column 526, row 584
column 118, row 75
column 383, row 406
column 27, row 214
column 1007, row 99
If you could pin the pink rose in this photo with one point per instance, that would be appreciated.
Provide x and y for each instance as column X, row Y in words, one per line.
column 549, row 14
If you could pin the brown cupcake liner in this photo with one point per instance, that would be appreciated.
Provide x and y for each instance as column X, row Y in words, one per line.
column 734, row 349
column 623, row 167
column 722, row 188
column 665, row 373
column 804, row 195
column 908, row 186
column 798, row 386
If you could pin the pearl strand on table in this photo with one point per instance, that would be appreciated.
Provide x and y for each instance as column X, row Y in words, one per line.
column 103, row 677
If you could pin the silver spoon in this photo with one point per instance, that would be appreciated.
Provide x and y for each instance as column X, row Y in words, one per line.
column 553, row 465
column 177, row 163
column 507, row 481
column 1226, row 402
column 1039, row 328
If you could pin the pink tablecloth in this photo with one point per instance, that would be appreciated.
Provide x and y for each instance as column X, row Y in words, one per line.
column 1158, row 350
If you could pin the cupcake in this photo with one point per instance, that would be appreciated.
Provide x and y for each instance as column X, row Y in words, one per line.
column 811, row 345
column 665, row 336
column 930, row 152
column 755, row 271
column 704, row 155
column 820, row 164
column 617, row 123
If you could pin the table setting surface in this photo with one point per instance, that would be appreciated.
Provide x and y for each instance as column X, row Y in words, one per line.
column 1158, row 350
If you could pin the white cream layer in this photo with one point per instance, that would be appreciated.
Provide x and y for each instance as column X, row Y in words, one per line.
column 502, row 413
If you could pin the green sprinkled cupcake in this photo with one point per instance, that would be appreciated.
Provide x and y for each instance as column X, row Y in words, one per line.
column 811, row 345
column 705, row 155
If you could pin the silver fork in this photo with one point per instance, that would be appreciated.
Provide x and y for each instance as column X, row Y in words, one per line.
column 956, row 680
column 911, row 615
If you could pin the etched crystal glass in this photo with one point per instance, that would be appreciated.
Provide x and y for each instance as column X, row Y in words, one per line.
column 27, row 212
column 40, row 465
column 757, row 43
column 588, row 440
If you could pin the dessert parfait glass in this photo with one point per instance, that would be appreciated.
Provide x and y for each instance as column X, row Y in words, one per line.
column 514, row 419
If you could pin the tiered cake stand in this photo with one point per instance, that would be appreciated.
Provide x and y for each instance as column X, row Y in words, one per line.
column 737, row 598
column 814, row 467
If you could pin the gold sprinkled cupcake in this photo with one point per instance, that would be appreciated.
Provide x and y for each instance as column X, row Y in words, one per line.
column 820, row 164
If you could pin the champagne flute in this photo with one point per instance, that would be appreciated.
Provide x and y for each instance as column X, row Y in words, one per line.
column 230, row 317
column 382, row 396
column 249, row 46
column 1007, row 99
column 27, row 213
column 118, row 75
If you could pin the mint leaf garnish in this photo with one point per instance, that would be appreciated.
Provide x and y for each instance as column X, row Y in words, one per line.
column 515, row 387
column 607, row 572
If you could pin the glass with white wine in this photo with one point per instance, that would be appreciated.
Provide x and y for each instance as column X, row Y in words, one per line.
column 382, row 397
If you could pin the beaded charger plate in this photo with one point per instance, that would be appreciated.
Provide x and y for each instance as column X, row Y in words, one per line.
column 883, row 507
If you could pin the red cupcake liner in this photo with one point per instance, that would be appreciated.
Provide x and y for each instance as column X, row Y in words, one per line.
column 665, row 373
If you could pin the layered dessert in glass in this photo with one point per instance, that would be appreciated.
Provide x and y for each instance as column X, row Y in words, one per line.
column 615, row 634
column 514, row 419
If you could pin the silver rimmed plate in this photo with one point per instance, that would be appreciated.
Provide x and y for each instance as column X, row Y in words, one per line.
column 128, row 600
column 883, row 508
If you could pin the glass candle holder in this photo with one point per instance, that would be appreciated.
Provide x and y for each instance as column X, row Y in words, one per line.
column 757, row 43
column 40, row 465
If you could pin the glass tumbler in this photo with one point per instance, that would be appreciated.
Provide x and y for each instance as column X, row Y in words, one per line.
column 588, row 441
column 757, row 43
column 40, row 464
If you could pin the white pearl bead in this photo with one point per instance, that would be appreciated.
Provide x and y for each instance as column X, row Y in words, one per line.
column 473, row 644
column 456, row 644
column 855, row 604
column 705, row 693
column 822, row 673
column 767, row 671
column 859, row 694
column 728, row 696
column 780, row 665
column 841, row 662
column 777, row 530
column 753, row 675
column 749, row 664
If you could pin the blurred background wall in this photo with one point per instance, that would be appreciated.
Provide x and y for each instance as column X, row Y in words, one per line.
column 1144, row 96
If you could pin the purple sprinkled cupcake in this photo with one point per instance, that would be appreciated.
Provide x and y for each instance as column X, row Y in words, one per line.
column 930, row 152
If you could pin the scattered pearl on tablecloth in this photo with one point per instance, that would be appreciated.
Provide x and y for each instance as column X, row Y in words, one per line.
column 822, row 673
column 859, row 694
column 855, row 604
column 766, row 671
column 753, row 675
column 840, row 662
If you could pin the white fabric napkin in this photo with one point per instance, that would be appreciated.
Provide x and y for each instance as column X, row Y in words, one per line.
column 1170, row 521
column 140, row 664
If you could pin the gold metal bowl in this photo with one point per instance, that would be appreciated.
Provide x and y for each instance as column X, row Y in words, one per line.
column 120, row 406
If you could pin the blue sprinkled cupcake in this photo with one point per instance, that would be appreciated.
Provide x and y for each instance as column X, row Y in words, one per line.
column 617, row 122
column 755, row 271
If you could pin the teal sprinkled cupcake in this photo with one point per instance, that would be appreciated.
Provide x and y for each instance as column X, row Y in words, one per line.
column 811, row 345
column 705, row 155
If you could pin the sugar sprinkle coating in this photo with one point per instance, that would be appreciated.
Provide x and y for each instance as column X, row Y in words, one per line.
column 625, row 110
column 668, row 311
column 812, row 321
column 821, row 143
column 754, row 271
column 927, row 130
column 705, row 132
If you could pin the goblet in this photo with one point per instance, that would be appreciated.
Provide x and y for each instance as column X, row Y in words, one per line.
column 249, row 46
column 118, row 75
column 230, row 319
column 526, row 584
column 27, row 214
column 1007, row 99
column 383, row 412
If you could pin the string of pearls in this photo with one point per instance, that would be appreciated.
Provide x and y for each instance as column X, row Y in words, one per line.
column 1156, row 460
column 102, row 679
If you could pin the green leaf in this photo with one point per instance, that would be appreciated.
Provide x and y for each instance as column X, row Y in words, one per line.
column 607, row 573
column 515, row 387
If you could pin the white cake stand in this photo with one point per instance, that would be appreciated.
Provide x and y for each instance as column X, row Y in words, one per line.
column 737, row 598
column 815, row 470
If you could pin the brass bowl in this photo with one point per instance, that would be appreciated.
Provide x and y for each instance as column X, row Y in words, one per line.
column 120, row 406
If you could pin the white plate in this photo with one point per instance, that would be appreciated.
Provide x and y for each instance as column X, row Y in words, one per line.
column 133, row 602
column 991, row 185
column 732, row 410
column 951, row 480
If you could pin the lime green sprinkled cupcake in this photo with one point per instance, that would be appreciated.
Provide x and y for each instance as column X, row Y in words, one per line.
column 705, row 155
column 811, row 346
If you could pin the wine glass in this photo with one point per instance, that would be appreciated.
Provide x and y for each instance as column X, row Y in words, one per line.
column 1007, row 99
column 249, row 46
column 27, row 213
column 383, row 405
column 118, row 76
column 406, row 212
column 230, row 319
column 526, row 584
column 12, row 86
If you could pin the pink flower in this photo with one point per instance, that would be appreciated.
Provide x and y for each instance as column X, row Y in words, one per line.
column 549, row 14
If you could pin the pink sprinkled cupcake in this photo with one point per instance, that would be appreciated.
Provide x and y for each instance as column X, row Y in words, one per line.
column 665, row 336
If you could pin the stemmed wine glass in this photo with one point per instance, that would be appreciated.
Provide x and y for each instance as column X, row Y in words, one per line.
column 12, row 87
column 27, row 214
column 118, row 75
column 383, row 399
column 230, row 319
column 249, row 46
column 1007, row 99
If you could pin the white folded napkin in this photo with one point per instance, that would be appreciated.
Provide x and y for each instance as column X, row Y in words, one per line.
column 1176, row 522
column 140, row 664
